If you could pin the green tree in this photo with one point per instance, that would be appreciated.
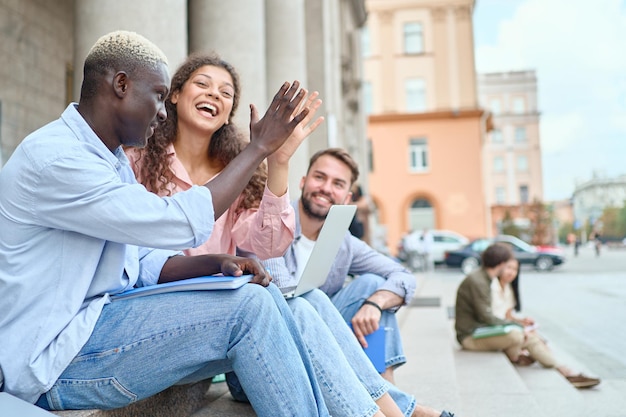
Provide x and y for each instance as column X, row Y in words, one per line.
column 614, row 222
column 508, row 226
column 541, row 219
column 564, row 230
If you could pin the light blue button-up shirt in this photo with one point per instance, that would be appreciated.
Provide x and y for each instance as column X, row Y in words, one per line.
column 75, row 227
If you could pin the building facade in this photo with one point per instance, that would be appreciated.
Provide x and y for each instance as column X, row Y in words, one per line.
column 592, row 197
column 512, row 151
column 424, row 124
column 44, row 44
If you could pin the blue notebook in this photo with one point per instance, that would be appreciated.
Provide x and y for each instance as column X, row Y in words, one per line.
column 206, row 283
column 375, row 349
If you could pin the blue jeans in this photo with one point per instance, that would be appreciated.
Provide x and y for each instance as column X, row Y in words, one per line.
column 330, row 365
column 348, row 301
column 354, row 353
column 142, row 346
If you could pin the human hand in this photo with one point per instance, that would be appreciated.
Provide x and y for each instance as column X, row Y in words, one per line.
column 270, row 132
column 365, row 322
column 237, row 266
column 302, row 130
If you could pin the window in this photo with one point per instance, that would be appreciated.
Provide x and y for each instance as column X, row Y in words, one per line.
column 522, row 163
column 495, row 106
column 367, row 97
column 498, row 164
column 366, row 42
column 418, row 155
column 523, row 194
column 496, row 136
column 519, row 106
column 415, row 89
column 413, row 38
column 520, row 134
column 500, row 195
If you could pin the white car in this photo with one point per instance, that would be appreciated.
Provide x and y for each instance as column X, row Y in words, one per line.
column 443, row 240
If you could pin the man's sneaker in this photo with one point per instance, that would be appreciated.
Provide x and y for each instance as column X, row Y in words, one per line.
column 582, row 381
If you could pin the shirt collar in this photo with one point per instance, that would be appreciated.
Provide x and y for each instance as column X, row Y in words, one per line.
column 84, row 133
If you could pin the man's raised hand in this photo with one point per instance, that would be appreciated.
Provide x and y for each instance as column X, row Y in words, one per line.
column 278, row 122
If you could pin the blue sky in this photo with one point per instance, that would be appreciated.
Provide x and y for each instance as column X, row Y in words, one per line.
column 578, row 49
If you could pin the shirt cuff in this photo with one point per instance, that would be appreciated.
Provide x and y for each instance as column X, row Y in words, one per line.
column 273, row 204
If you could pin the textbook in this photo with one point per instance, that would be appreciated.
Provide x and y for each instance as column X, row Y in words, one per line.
column 495, row 330
column 206, row 283
column 375, row 349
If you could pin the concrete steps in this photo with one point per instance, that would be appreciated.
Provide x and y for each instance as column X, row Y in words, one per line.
column 177, row 401
column 483, row 384
column 221, row 404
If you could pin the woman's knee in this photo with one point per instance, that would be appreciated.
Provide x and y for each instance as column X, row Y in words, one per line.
column 515, row 337
column 301, row 308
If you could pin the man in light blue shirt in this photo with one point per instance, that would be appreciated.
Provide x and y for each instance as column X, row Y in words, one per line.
column 75, row 227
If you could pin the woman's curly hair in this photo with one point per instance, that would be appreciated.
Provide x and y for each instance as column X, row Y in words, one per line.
column 226, row 143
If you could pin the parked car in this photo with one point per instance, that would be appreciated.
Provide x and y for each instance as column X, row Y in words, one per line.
column 443, row 240
column 468, row 257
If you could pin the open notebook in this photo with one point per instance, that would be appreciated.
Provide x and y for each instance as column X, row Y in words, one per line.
column 324, row 251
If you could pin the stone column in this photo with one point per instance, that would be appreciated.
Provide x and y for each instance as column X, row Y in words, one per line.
column 286, row 61
column 165, row 25
column 236, row 30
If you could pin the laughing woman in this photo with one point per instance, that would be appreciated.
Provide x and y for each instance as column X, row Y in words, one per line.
column 198, row 140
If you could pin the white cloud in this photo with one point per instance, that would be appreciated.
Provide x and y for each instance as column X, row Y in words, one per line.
column 560, row 131
column 577, row 49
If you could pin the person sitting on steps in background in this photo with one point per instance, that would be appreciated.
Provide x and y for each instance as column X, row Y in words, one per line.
column 505, row 302
column 475, row 308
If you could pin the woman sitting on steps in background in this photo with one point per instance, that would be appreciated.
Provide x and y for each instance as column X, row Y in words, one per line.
column 503, row 302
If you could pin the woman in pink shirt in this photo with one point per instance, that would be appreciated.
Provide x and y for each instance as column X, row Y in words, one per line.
column 195, row 144
column 198, row 140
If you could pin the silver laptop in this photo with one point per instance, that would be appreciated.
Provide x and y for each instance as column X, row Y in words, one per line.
column 11, row 406
column 324, row 251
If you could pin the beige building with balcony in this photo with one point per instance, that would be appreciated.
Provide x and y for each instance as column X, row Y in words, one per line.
column 512, row 151
column 43, row 45
column 425, row 126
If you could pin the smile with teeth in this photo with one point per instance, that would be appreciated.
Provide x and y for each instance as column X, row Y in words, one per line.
column 322, row 198
column 207, row 107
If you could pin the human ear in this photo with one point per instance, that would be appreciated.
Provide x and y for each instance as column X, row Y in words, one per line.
column 120, row 84
column 174, row 97
column 348, row 198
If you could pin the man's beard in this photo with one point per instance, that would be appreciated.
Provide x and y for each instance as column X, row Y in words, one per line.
column 308, row 209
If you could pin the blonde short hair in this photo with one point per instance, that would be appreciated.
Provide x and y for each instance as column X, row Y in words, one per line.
column 127, row 45
column 119, row 51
